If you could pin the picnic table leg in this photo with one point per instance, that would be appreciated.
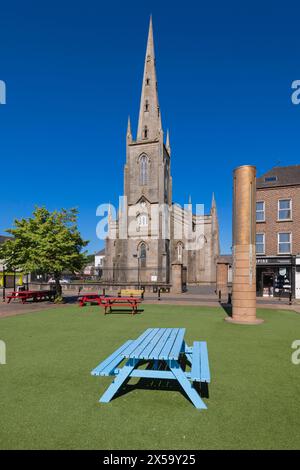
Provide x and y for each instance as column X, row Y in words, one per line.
column 186, row 385
column 119, row 380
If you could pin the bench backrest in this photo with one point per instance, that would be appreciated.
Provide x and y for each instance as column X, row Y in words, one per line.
column 131, row 292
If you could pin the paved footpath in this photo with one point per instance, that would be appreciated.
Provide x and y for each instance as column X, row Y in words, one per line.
column 208, row 300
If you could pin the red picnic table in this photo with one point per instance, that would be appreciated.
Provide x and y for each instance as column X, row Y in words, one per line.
column 34, row 295
column 109, row 301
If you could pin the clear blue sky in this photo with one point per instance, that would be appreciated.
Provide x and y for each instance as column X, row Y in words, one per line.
column 73, row 71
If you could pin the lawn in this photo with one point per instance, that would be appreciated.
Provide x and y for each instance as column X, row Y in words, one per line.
column 49, row 400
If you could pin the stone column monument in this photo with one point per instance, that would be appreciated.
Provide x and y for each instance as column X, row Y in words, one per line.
column 244, row 241
column 176, row 278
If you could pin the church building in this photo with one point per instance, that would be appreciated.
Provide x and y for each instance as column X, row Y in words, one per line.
column 152, row 239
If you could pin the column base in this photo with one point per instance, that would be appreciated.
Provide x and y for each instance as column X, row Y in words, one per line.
column 251, row 321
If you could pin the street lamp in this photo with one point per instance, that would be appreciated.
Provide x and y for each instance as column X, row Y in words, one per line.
column 138, row 259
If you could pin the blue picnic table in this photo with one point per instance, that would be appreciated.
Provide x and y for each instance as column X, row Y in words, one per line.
column 160, row 347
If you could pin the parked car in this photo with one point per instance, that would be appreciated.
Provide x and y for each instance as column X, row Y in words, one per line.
column 62, row 281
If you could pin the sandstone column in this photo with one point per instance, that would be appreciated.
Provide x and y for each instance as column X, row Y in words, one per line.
column 176, row 278
column 244, row 253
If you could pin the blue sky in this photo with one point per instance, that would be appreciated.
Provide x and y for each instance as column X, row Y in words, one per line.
column 73, row 72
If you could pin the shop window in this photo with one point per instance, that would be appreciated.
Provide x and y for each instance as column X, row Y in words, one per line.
column 260, row 243
column 284, row 209
column 284, row 243
column 260, row 211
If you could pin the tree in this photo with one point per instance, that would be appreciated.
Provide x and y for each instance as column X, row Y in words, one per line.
column 48, row 242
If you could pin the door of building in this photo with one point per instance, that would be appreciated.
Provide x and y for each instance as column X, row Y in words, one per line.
column 297, row 293
column 268, row 284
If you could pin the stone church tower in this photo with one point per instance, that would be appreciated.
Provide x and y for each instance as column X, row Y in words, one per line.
column 142, row 243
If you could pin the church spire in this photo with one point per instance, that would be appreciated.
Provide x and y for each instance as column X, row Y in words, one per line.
column 213, row 204
column 168, row 147
column 149, row 126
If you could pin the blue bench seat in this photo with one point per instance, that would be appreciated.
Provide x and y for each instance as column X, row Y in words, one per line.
column 199, row 362
column 107, row 367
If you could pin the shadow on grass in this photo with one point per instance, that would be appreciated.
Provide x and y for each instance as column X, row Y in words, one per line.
column 123, row 310
column 161, row 384
column 227, row 308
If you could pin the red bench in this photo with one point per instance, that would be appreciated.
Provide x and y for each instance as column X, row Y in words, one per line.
column 35, row 296
column 91, row 298
column 109, row 302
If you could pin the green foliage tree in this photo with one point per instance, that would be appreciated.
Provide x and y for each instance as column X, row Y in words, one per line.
column 48, row 242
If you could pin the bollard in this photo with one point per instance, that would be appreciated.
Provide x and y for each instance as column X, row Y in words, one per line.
column 158, row 294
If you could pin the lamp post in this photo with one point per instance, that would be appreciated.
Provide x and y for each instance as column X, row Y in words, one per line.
column 138, row 260
column 4, row 281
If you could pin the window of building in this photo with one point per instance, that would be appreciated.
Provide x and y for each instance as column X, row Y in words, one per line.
column 147, row 81
column 284, row 209
column 269, row 179
column 142, row 220
column 284, row 243
column 143, row 255
column 260, row 243
column 145, row 132
column 143, row 170
column 260, row 211
column 179, row 252
column 146, row 105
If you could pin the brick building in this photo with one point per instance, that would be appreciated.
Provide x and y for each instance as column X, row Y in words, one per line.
column 278, row 232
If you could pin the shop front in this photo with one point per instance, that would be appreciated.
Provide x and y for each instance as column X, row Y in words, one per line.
column 275, row 276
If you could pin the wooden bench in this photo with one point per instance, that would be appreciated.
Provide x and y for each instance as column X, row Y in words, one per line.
column 160, row 347
column 108, row 366
column 197, row 355
column 132, row 292
column 91, row 298
column 131, row 302
column 23, row 296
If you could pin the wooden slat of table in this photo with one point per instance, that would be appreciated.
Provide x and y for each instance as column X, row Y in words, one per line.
column 152, row 344
column 175, row 351
column 128, row 351
column 164, row 354
column 173, row 345
column 137, row 352
column 159, row 346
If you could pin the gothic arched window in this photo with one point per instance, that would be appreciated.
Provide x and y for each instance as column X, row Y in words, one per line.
column 143, row 255
column 143, row 170
column 142, row 220
column 179, row 252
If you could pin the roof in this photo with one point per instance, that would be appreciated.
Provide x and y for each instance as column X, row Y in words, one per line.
column 279, row 176
column 100, row 253
column 224, row 259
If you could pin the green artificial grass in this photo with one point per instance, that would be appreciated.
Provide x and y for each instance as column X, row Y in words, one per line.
column 48, row 399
